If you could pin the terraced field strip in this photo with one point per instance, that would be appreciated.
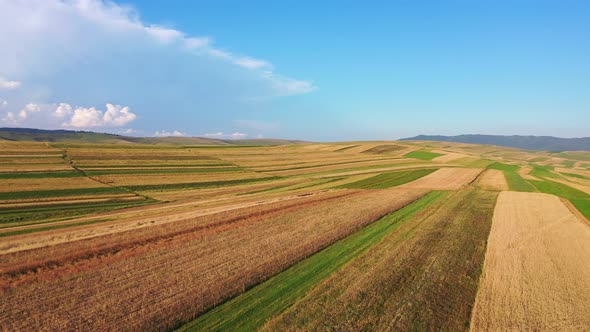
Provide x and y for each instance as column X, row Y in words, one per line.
column 423, row 155
column 446, row 179
column 423, row 276
column 252, row 309
column 154, row 283
column 537, row 272
column 388, row 180
column 493, row 179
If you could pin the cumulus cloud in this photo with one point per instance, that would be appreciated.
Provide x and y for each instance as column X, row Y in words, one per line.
column 114, row 116
column 63, row 110
column 8, row 84
column 107, row 52
column 164, row 133
column 28, row 109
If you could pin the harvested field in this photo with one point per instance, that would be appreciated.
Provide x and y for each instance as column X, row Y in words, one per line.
column 537, row 272
column 446, row 179
column 252, row 309
column 493, row 179
column 421, row 277
column 448, row 157
column 153, row 286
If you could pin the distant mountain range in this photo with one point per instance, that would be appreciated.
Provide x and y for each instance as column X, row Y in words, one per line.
column 544, row 143
column 71, row 136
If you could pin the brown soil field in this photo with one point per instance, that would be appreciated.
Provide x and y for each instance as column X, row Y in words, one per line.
column 493, row 179
column 119, row 198
column 179, row 216
column 48, row 184
column 537, row 272
column 156, row 284
column 448, row 157
column 446, row 179
column 147, row 179
column 421, row 277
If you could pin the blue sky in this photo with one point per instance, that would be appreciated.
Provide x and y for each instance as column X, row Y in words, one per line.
column 329, row 70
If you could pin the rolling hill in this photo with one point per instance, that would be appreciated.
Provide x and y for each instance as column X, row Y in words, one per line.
column 543, row 143
column 71, row 136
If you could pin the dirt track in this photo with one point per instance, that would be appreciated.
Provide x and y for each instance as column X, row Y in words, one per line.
column 445, row 179
column 537, row 271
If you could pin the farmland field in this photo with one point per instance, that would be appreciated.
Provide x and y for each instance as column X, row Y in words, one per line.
column 344, row 236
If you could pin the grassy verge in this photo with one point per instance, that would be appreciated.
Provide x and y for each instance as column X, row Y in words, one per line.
column 39, row 175
column 422, row 155
column 33, row 215
column 253, row 308
column 388, row 180
column 61, row 193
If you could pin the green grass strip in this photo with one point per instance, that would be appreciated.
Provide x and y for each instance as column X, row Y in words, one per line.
column 583, row 205
column 253, row 308
column 577, row 176
column 504, row 167
column 61, row 193
column 39, row 175
column 388, row 180
column 422, row 155
column 517, row 183
column 559, row 189
column 543, row 172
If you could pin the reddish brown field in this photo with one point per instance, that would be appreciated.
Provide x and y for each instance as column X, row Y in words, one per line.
column 153, row 281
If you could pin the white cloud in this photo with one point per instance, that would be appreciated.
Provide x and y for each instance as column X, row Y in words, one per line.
column 117, row 116
column 85, row 118
column 29, row 108
column 252, row 63
column 221, row 135
column 3, row 103
column 114, row 116
column 165, row 133
column 129, row 131
column 164, row 35
column 63, row 110
column 8, row 85
column 10, row 119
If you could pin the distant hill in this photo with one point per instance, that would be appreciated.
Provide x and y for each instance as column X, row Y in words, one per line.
column 71, row 136
column 544, row 143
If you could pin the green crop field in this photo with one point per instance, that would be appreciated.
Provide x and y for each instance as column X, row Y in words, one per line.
column 423, row 155
column 388, row 180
